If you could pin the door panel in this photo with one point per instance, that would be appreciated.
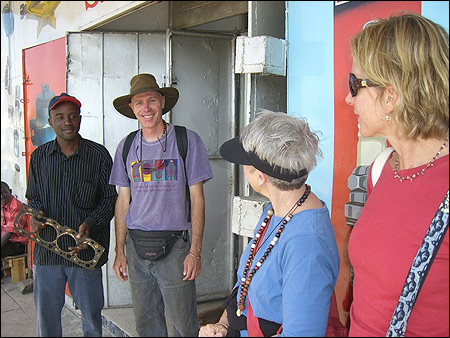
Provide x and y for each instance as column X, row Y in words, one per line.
column 43, row 77
column 202, row 72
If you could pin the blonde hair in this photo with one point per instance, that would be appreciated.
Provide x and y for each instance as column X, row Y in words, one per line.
column 409, row 53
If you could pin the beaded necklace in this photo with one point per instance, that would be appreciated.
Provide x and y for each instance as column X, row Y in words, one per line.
column 163, row 149
column 421, row 172
column 246, row 276
column 164, row 134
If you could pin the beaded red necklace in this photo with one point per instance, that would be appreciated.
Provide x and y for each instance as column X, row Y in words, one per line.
column 246, row 276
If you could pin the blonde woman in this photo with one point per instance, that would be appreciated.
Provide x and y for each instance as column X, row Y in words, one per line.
column 399, row 89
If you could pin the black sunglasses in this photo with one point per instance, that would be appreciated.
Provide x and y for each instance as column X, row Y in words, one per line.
column 354, row 84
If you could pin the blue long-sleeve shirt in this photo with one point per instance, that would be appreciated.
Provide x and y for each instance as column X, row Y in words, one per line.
column 294, row 285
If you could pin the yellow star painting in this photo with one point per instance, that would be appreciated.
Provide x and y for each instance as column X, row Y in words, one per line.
column 43, row 11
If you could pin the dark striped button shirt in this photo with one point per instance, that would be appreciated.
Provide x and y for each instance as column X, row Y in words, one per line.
column 72, row 190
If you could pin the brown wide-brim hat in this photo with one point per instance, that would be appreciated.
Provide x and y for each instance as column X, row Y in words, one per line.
column 145, row 83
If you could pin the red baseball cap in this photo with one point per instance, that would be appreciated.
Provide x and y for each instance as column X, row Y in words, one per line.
column 64, row 97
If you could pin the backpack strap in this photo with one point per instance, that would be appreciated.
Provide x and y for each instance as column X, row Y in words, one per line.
column 182, row 143
column 126, row 149
column 379, row 163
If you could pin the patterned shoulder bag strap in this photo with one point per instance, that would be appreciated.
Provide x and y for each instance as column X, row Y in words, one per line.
column 419, row 270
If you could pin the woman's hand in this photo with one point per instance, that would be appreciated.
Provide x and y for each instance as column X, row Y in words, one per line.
column 214, row 330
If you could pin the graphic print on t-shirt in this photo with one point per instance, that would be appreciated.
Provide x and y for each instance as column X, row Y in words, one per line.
column 154, row 170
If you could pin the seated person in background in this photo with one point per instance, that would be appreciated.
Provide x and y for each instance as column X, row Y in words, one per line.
column 13, row 244
column 287, row 274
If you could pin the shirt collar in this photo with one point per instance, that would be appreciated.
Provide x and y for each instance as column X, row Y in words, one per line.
column 54, row 147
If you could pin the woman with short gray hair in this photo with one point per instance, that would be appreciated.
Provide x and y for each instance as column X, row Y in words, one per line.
column 287, row 274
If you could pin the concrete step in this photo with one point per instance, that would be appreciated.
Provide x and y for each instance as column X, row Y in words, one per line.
column 120, row 321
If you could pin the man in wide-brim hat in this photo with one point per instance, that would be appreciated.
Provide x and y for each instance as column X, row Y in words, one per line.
column 153, row 203
column 145, row 83
column 147, row 103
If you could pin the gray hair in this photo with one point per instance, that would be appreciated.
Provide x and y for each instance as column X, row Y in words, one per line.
column 285, row 141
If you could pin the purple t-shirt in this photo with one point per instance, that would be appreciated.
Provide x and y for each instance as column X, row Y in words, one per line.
column 158, row 182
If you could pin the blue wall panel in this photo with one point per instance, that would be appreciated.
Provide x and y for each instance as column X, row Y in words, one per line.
column 310, row 94
column 436, row 11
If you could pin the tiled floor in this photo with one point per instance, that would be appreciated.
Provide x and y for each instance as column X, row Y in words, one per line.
column 19, row 316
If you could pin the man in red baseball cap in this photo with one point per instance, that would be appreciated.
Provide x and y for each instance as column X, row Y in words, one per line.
column 64, row 97
column 65, row 119
column 68, row 182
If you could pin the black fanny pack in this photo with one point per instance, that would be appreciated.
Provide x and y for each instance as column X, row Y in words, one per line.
column 154, row 245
